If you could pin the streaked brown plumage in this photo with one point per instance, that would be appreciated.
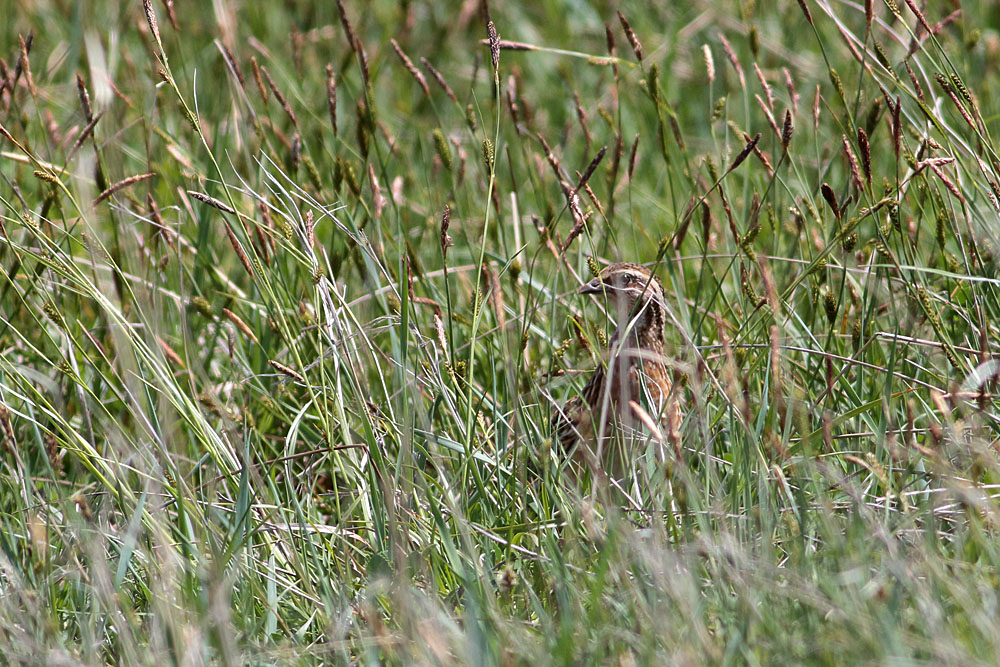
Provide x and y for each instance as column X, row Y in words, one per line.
column 636, row 377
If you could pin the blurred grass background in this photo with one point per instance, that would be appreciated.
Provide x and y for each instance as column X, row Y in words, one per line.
column 255, row 408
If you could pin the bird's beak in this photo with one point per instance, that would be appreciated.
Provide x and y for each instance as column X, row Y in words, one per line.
column 595, row 286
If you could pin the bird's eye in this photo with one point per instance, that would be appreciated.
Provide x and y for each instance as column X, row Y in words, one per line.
column 627, row 279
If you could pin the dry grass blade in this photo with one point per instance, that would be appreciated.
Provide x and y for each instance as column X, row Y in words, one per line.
column 647, row 421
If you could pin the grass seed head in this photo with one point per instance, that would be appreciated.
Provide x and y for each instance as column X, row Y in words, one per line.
column 805, row 10
column 442, row 148
column 787, row 128
column 883, row 57
column 494, row 38
column 733, row 60
column 749, row 148
column 831, row 199
column 630, row 34
column 866, row 156
column 838, row 85
column 258, row 79
column 154, row 28
column 830, row 305
column 436, row 75
column 410, row 67
column 25, row 65
column 331, row 97
column 279, row 96
column 345, row 22
column 446, row 241
column 489, row 155
column 201, row 305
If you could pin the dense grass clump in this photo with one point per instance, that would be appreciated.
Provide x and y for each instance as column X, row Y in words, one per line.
column 288, row 299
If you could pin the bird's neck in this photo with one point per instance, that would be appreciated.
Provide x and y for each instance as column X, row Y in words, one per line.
column 646, row 332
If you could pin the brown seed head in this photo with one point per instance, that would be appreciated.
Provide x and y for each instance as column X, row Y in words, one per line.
column 633, row 153
column 124, row 183
column 81, row 89
column 787, row 129
column 147, row 7
column 805, row 10
column 446, row 241
column 331, row 96
column 257, row 79
column 919, row 14
column 751, row 144
column 278, row 96
column 866, row 156
column 345, row 21
column 440, row 79
column 831, row 198
column 491, row 31
column 852, row 163
column 25, row 65
column 410, row 67
column 792, row 94
column 632, row 39
column 589, row 171
column 896, row 121
column 211, row 201
column 733, row 60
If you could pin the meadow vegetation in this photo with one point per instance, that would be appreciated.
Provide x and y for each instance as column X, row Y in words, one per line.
column 288, row 300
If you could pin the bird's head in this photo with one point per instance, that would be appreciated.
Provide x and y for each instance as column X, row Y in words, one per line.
column 626, row 286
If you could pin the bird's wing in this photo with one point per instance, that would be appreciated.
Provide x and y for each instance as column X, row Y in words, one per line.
column 575, row 421
column 653, row 382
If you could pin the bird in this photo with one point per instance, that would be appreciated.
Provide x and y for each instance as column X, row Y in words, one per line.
column 634, row 388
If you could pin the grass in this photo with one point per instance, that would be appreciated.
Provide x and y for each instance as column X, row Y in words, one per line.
column 259, row 402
